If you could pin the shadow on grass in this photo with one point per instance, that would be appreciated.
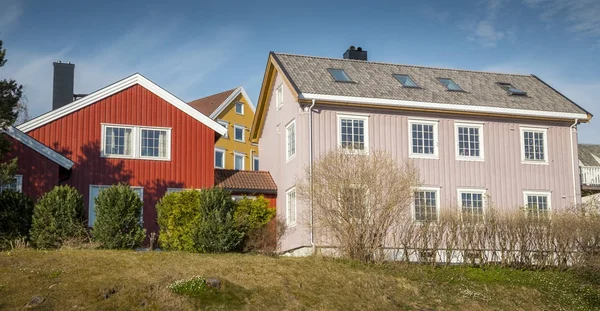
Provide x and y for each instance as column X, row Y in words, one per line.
column 230, row 296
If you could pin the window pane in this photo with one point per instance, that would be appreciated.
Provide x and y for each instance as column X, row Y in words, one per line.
column 291, row 140
column 472, row 205
column 425, row 206
column 239, row 108
column 256, row 164
column 405, row 80
column 450, row 85
column 117, row 141
column 423, row 138
column 239, row 133
column 154, row 143
column 339, row 75
column 533, row 143
column 291, row 207
column 353, row 134
column 219, row 155
column 239, row 162
column 468, row 141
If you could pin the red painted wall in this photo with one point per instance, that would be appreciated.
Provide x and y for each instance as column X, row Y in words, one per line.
column 40, row 174
column 77, row 136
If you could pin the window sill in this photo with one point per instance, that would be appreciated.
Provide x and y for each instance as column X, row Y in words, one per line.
column 154, row 159
column 288, row 160
column 474, row 159
column 535, row 163
column 419, row 156
column 239, row 141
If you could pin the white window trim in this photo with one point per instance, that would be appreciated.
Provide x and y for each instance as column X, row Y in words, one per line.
column 139, row 146
column 436, row 148
column 103, row 141
column 289, row 157
column 279, row 97
column 478, row 125
column 243, row 155
column 136, row 141
column 543, row 130
column 235, row 108
column 538, row 193
column 19, row 179
column 224, row 157
column 225, row 124
column 91, row 201
column 287, row 215
column 483, row 192
column 350, row 116
column 255, row 157
column 243, row 128
column 437, row 202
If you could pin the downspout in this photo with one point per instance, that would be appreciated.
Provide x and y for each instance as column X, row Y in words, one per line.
column 310, row 169
column 573, row 160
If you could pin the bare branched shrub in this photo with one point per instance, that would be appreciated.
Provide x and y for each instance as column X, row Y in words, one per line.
column 267, row 239
column 356, row 199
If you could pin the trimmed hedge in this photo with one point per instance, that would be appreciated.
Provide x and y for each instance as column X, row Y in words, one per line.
column 16, row 211
column 57, row 217
column 118, row 218
column 178, row 214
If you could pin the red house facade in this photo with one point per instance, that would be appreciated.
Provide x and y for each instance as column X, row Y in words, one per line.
column 133, row 132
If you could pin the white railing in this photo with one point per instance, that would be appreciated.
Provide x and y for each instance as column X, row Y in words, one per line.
column 590, row 175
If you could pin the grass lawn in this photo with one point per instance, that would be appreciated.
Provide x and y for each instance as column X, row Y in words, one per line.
column 125, row 280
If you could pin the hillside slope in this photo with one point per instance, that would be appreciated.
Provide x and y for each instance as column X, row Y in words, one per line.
column 95, row 279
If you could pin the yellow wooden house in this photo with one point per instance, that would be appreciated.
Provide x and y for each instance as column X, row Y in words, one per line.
column 234, row 110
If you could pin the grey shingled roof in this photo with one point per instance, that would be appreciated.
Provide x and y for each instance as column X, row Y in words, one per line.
column 585, row 154
column 309, row 74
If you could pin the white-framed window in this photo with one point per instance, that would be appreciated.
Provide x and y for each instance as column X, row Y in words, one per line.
column 255, row 163
column 170, row 190
column 537, row 204
column 239, row 133
column 472, row 203
column 240, row 197
column 16, row 184
column 423, row 139
column 224, row 124
column 290, row 207
column 353, row 132
column 534, row 145
column 426, row 204
column 238, row 160
column 155, row 143
column 239, row 108
column 290, row 140
column 118, row 141
column 219, row 158
column 469, row 141
column 95, row 191
column 136, row 142
column 279, row 97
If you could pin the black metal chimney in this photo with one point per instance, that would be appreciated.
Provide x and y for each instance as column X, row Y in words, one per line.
column 62, row 84
column 355, row 53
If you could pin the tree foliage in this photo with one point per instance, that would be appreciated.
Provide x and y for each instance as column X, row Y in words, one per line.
column 178, row 214
column 118, row 216
column 57, row 217
column 16, row 210
column 10, row 96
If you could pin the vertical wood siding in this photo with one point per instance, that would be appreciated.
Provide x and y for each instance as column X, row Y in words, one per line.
column 40, row 174
column 77, row 136
column 501, row 173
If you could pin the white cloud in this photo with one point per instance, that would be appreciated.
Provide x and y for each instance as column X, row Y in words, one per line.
column 582, row 16
column 486, row 31
column 585, row 94
column 179, row 67
column 486, row 34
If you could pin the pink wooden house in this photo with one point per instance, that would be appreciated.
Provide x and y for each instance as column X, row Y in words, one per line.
column 473, row 135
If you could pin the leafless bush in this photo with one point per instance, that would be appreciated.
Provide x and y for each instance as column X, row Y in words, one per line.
column 356, row 199
column 266, row 239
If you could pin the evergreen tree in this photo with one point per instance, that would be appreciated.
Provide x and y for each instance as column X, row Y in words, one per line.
column 10, row 96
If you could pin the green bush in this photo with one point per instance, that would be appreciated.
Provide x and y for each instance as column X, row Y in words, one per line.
column 217, row 230
column 57, row 217
column 118, row 215
column 178, row 215
column 253, row 214
column 16, row 210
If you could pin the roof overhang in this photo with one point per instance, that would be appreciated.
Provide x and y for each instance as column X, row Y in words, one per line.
column 483, row 110
column 239, row 90
column 113, row 89
column 39, row 147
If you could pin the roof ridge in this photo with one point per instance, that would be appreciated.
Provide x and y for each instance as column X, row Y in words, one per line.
column 218, row 93
column 406, row 65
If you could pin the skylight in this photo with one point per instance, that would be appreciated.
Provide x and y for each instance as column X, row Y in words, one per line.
column 448, row 83
column 405, row 80
column 339, row 75
column 511, row 89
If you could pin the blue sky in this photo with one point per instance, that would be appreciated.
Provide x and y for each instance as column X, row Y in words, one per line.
column 197, row 48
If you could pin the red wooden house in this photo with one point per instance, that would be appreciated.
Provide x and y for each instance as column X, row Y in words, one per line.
column 132, row 131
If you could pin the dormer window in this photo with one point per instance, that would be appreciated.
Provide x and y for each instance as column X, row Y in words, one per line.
column 405, row 80
column 450, row 85
column 339, row 75
column 511, row 89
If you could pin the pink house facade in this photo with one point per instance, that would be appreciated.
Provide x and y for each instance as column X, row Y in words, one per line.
column 478, row 139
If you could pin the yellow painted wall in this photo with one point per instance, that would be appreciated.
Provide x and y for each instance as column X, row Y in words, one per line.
column 230, row 144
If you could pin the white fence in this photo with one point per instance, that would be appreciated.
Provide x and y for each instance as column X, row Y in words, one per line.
column 590, row 175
